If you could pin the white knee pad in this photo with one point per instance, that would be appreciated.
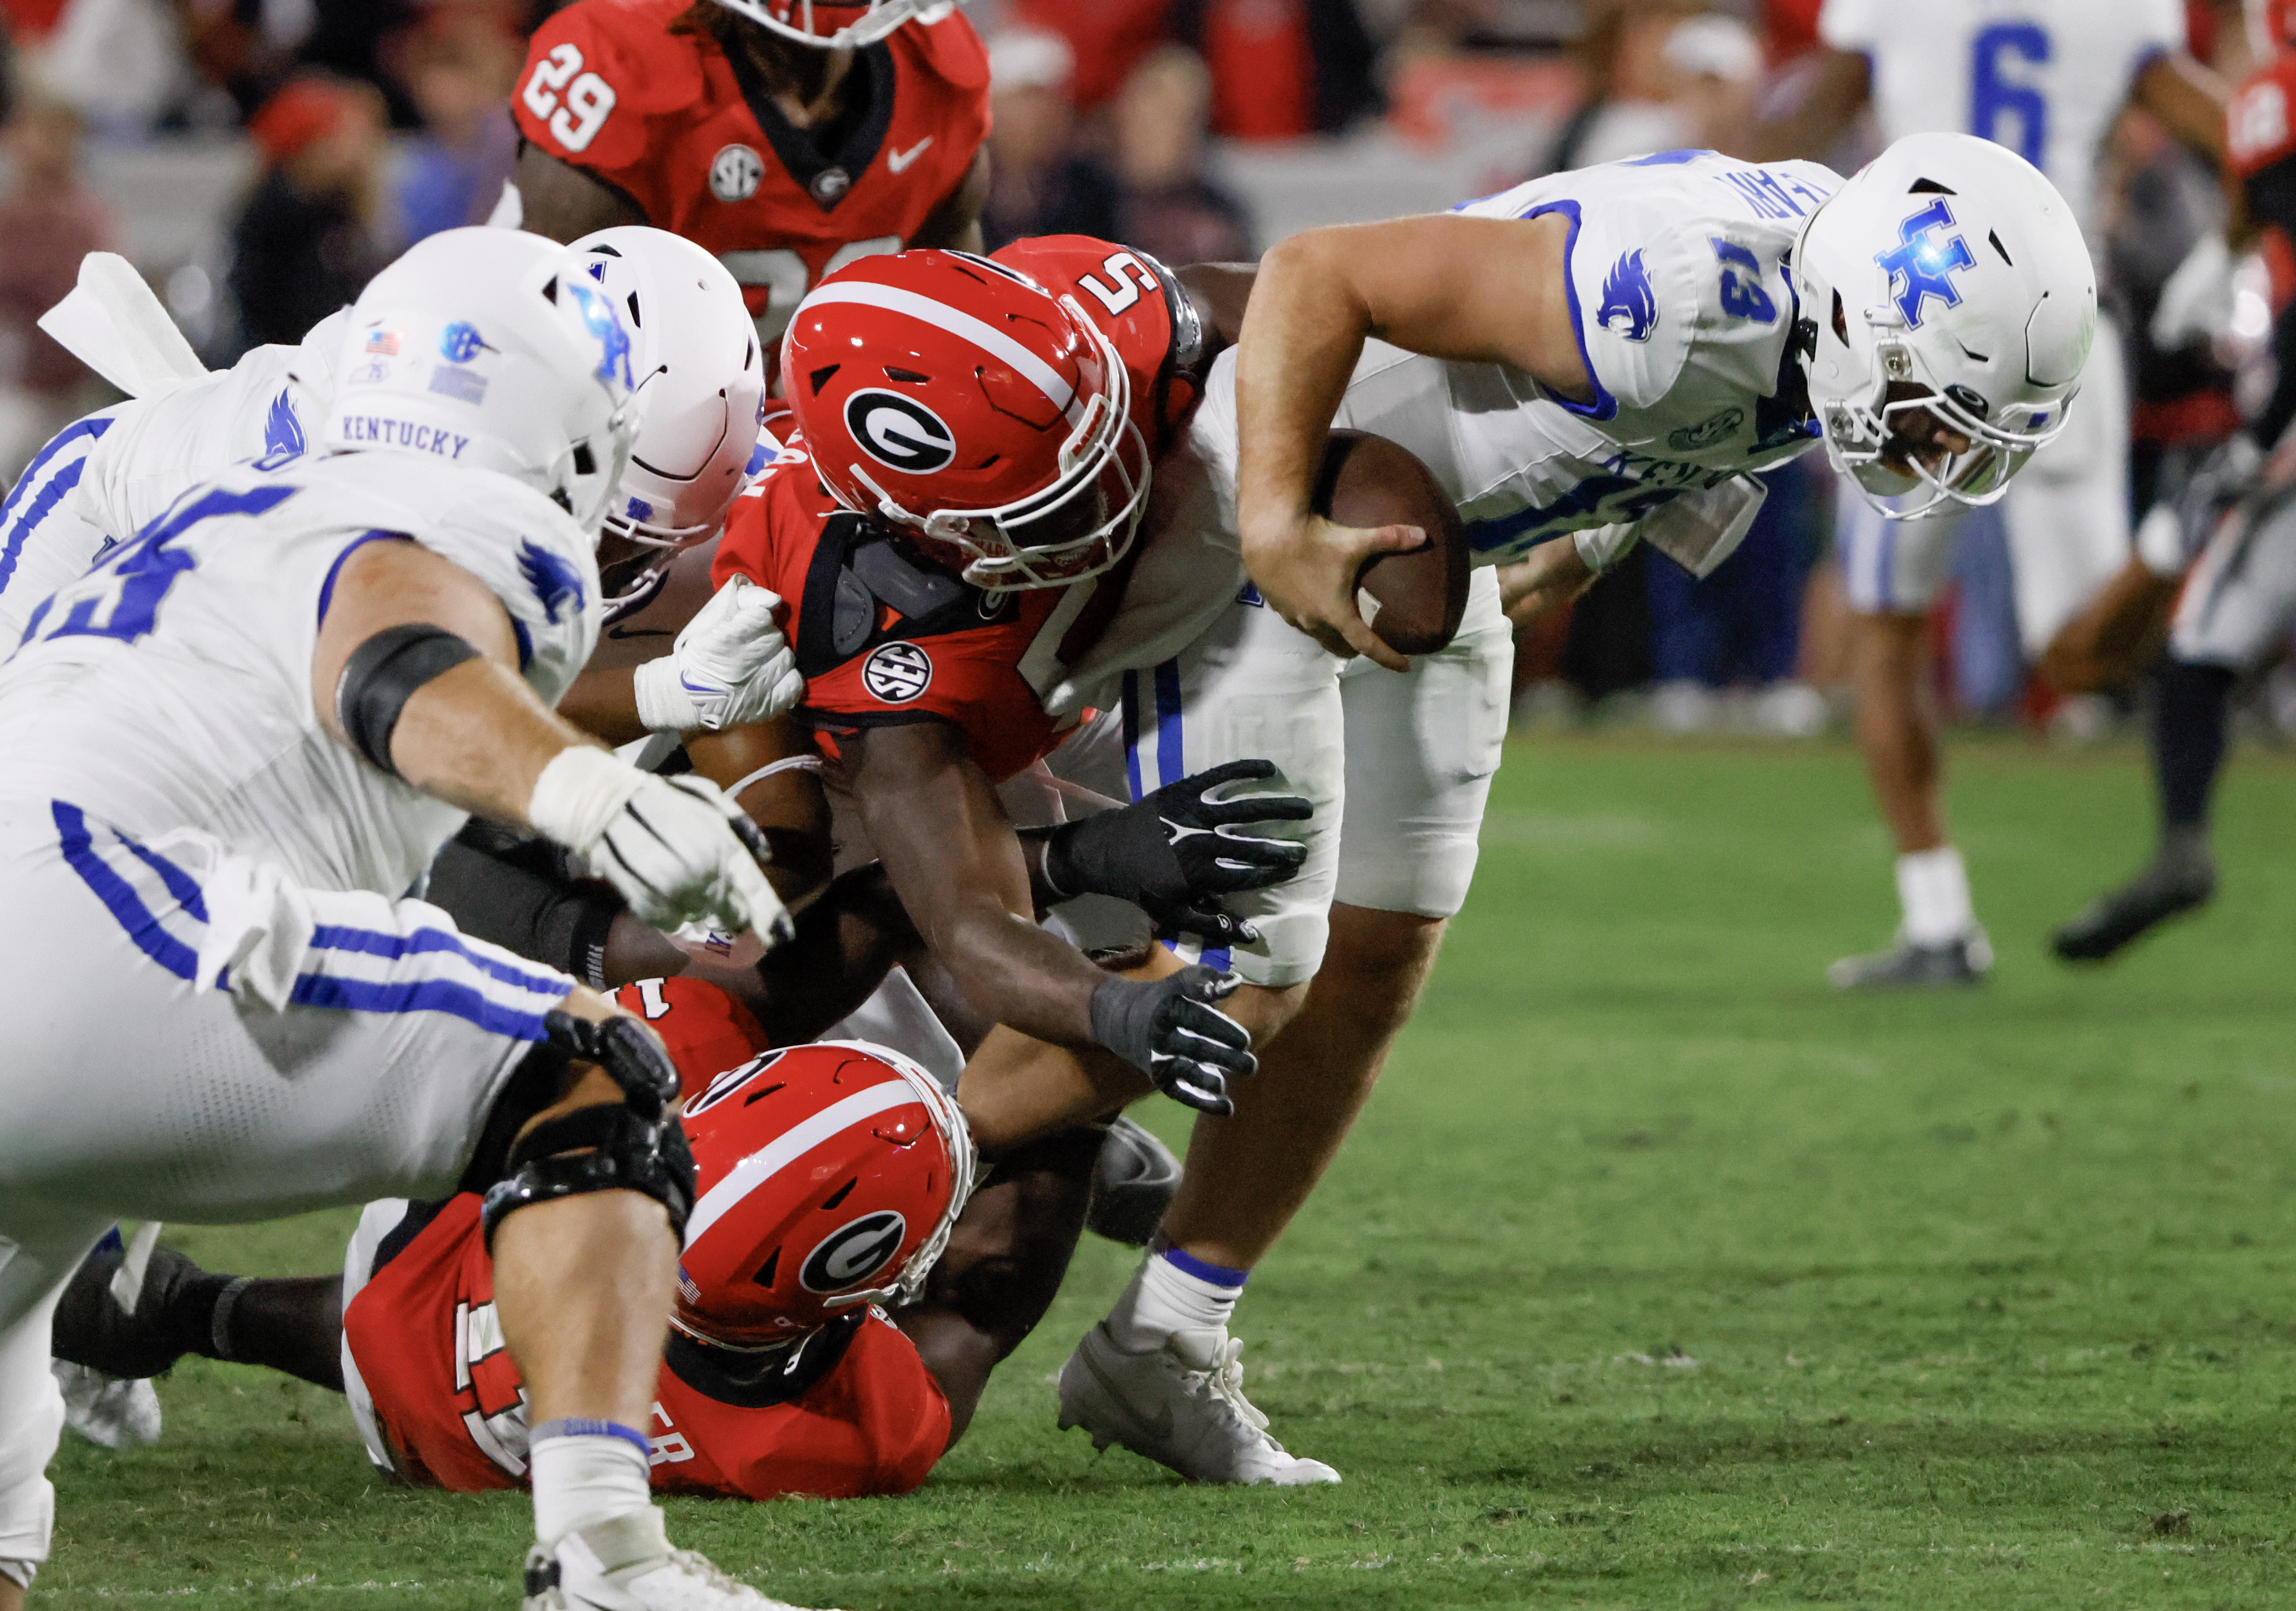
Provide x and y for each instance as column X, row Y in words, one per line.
column 1420, row 750
column 31, row 1421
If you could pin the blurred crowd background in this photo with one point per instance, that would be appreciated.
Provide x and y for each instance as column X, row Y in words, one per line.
column 258, row 160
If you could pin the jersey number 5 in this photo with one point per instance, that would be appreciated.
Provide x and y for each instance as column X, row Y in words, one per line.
column 588, row 98
column 1125, row 291
column 1993, row 96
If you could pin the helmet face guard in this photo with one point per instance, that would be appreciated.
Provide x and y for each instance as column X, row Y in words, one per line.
column 1860, row 433
column 1083, row 523
column 795, row 20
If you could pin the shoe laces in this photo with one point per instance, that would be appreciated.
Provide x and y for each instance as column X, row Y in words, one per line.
column 709, row 1574
column 1220, row 1380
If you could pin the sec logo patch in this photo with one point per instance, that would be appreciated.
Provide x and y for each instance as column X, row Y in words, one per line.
column 897, row 672
column 736, row 173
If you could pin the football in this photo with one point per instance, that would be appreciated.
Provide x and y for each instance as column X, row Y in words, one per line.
column 1413, row 600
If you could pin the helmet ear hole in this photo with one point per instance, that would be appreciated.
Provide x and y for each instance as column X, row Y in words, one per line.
column 1841, row 323
column 766, row 1272
column 585, row 463
column 841, row 1193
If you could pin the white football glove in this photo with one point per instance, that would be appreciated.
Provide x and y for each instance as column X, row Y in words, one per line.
column 675, row 847
column 730, row 666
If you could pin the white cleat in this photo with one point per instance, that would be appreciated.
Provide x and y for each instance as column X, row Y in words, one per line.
column 1181, row 1405
column 626, row 1563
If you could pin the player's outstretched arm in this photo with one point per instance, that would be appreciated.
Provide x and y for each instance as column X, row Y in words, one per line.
column 2188, row 97
column 950, row 851
column 562, row 202
column 414, row 668
column 1472, row 290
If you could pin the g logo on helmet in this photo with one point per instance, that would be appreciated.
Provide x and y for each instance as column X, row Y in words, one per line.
column 853, row 1253
column 900, row 432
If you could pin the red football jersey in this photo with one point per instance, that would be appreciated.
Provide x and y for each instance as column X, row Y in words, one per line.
column 690, row 135
column 856, row 1413
column 706, row 1031
column 867, row 1419
column 953, row 653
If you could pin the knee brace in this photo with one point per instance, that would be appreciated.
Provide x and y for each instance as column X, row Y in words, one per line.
column 624, row 1152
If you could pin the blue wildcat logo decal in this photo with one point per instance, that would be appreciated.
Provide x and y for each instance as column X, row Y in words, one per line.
column 1627, row 295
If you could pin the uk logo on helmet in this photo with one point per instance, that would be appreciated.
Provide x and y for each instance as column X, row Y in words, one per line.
column 598, row 317
column 897, row 672
column 853, row 1253
column 900, row 432
column 1926, row 259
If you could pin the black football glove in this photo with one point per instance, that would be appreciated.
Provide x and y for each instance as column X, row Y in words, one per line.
column 1170, row 1030
column 1171, row 853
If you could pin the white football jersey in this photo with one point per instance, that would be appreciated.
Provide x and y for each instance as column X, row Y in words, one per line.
column 102, row 479
column 2044, row 77
column 1686, row 318
column 170, row 687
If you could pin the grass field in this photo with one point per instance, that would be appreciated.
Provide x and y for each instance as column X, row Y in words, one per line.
column 1658, row 1274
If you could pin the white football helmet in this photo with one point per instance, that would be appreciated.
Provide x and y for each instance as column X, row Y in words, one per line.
column 491, row 348
column 851, row 24
column 700, row 387
column 1947, row 275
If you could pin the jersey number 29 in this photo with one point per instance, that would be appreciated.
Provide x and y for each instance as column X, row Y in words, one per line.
column 577, row 120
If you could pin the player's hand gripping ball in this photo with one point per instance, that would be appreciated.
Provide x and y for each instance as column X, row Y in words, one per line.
column 1412, row 600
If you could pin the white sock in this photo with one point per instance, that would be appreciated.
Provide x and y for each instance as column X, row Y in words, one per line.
column 584, row 1471
column 1933, row 889
column 1172, row 1292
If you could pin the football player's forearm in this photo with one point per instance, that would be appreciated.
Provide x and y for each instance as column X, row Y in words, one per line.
column 604, row 705
column 477, row 737
column 2188, row 99
column 1303, row 329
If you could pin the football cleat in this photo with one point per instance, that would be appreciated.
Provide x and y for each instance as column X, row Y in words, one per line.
column 1906, row 965
column 1133, row 1182
column 1181, row 1405
column 2176, row 881
column 108, row 1411
column 92, row 1329
column 626, row 1563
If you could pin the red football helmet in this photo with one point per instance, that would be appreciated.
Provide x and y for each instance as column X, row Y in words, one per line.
column 830, row 24
column 827, row 1175
column 962, row 402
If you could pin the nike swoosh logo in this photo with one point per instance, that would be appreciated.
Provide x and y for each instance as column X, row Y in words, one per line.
column 899, row 160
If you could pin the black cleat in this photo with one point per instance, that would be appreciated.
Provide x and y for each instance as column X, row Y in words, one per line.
column 1133, row 1182
column 92, row 1329
column 2172, row 884
column 1906, row 965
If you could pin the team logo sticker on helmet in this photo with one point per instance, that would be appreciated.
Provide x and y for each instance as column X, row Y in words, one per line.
column 897, row 672
column 460, row 342
column 1926, row 259
column 853, row 1253
column 735, row 172
column 900, row 432
column 613, row 341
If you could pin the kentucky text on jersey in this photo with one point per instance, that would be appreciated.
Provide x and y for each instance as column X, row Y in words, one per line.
column 404, row 433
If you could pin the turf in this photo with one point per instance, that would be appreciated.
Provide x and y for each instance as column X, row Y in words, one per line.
column 1658, row 1274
